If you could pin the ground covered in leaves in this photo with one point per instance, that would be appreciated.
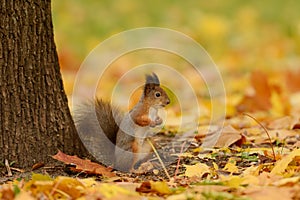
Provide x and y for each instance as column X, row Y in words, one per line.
column 257, row 156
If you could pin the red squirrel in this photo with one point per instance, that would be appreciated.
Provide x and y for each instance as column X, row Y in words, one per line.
column 125, row 145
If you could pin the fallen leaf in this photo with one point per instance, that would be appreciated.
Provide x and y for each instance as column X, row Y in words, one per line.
column 37, row 166
column 84, row 165
column 232, row 181
column 261, row 97
column 269, row 193
column 110, row 190
column 160, row 188
column 231, row 166
column 287, row 181
column 24, row 196
column 219, row 137
column 266, row 178
column 286, row 122
column 40, row 177
column 198, row 169
column 6, row 192
column 293, row 81
column 250, row 180
column 229, row 136
column 71, row 186
column 281, row 165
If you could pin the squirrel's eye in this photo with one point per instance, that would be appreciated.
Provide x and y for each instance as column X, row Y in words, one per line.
column 157, row 94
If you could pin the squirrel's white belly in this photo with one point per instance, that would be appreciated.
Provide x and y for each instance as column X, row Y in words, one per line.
column 129, row 127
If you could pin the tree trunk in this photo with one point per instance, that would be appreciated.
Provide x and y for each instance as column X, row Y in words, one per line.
column 35, row 120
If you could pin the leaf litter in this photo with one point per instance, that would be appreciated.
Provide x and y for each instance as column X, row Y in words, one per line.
column 240, row 166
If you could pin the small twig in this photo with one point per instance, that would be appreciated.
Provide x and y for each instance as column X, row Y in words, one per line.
column 7, row 167
column 160, row 160
column 270, row 141
column 17, row 169
column 178, row 162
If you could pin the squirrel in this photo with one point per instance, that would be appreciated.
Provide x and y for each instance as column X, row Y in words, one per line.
column 120, row 140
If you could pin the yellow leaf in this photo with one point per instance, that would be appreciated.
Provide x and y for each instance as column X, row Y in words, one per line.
column 281, row 165
column 252, row 170
column 160, row 187
column 70, row 186
column 109, row 191
column 88, row 182
column 196, row 170
column 216, row 167
column 250, row 180
column 197, row 150
column 278, row 108
column 40, row 177
column 232, row 181
column 24, row 196
column 231, row 166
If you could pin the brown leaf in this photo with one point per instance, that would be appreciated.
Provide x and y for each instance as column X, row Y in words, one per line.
column 6, row 193
column 229, row 136
column 287, row 122
column 145, row 187
column 84, row 165
column 37, row 166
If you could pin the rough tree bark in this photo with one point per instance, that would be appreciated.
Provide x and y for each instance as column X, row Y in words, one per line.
column 35, row 120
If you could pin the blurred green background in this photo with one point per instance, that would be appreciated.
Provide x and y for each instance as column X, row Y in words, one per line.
column 239, row 35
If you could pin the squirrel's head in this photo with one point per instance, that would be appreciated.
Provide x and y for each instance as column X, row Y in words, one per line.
column 154, row 93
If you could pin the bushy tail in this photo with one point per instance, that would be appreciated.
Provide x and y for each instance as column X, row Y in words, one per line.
column 97, row 126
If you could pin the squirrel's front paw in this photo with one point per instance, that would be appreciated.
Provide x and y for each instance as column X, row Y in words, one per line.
column 143, row 168
column 152, row 124
column 158, row 121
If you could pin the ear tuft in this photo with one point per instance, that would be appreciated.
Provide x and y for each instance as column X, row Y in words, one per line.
column 152, row 79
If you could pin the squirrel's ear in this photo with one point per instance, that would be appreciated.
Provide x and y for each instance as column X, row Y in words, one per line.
column 151, row 82
column 152, row 79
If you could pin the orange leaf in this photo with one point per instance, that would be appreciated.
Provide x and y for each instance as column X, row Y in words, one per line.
column 84, row 165
column 293, row 81
column 261, row 99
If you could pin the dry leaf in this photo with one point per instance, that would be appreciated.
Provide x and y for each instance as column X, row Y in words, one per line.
column 218, row 137
column 232, row 181
column 261, row 98
column 112, row 191
column 287, row 181
column 281, row 165
column 160, row 188
column 286, row 122
column 24, row 196
column 84, row 165
column 196, row 170
column 293, row 81
column 229, row 136
column 269, row 193
column 231, row 166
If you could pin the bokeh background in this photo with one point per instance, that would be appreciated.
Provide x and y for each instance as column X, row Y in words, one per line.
column 240, row 36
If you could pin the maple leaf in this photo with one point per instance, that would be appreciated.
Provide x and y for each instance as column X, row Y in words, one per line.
column 82, row 165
